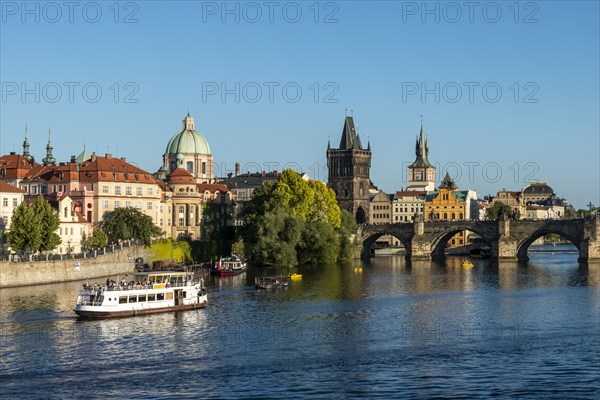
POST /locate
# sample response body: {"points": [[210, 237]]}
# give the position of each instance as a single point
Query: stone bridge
{"points": [[508, 239]]}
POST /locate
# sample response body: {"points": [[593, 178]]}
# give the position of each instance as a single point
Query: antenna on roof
{"points": [[352, 112], [346, 111]]}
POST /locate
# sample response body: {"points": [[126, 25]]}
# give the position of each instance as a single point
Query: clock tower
{"points": [[421, 174]]}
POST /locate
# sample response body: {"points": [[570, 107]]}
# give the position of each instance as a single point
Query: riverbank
{"points": [[13, 274]]}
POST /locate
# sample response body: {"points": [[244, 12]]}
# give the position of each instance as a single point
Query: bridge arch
{"points": [[439, 242], [369, 239], [523, 245]]}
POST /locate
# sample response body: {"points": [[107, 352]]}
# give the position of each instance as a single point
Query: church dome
{"points": [[188, 140]]}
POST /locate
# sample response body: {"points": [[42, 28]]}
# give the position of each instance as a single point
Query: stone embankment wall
{"points": [[41, 272]]}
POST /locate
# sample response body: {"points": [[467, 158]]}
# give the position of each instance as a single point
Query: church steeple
{"points": [[26, 146], [49, 159]]}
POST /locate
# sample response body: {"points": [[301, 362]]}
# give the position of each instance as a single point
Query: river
{"points": [[394, 330]]}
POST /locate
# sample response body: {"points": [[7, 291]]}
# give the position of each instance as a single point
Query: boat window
{"points": [[160, 296], [170, 296], [151, 297], [122, 299], [141, 297], [133, 299]]}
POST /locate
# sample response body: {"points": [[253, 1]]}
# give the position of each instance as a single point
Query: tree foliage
{"points": [[291, 221], [97, 240], [129, 223], [499, 210], [49, 223], [34, 227], [24, 229]]}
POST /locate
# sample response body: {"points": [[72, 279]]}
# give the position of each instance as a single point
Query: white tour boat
{"points": [[150, 292]]}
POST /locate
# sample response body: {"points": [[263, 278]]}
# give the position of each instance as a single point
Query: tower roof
{"points": [[350, 139], [188, 140], [83, 156], [448, 183], [422, 152]]}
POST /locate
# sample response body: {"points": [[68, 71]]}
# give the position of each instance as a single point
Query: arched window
{"points": [[203, 168], [190, 167], [66, 211], [445, 216], [453, 216], [460, 215]]}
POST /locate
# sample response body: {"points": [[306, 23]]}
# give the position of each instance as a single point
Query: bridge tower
{"points": [[349, 172]]}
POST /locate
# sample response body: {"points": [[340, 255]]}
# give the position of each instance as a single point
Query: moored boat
{"points": [[150, 292], [271, 282], [295, 277], [230, 266]]}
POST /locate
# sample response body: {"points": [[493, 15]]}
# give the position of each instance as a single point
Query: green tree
{"points": [[217, 233], [129, 223], [97, 240], [498, 211], [25, 229], [49, 223], [319, 244]]}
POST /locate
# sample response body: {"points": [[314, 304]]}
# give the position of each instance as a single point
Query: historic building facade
{"points": [[448, 203], [349, 172]]}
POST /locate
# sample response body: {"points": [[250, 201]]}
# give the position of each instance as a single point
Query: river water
{"points": [[394, 330]]}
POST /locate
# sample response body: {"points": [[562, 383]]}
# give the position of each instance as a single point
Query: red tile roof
{"points": [[8, 188], [180, 175], [212, 187]]}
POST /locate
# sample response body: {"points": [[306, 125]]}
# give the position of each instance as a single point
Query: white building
{"points": [[407, 204], [11, 197], [73, 228]]}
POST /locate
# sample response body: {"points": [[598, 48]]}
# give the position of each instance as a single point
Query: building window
{"points": [[161, 222], [173, 165], [128, 190], [15, 202], [44, 189], [117, 190], [181, 215], [105, 189], [66, 212], [105, 204], [149, 205], [453, 216], [203, 168], [139, 191], [127, 203], [149, 191], [138, 205], [5, 202], [190, 167], [445, 216], [117, 204]]}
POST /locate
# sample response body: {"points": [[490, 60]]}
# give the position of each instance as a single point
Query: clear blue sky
{"points": [[376, 57]]}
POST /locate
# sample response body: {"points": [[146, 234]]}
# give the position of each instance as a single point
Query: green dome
{"points": [[188, 142]]}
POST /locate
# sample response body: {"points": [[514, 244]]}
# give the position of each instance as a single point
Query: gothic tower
{"points": [[421, 174], [349, 167]]}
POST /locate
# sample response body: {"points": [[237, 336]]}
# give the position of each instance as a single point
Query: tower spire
{"points": [[26, 146], [49, 159]]}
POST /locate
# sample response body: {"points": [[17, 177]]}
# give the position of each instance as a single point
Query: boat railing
{"points": [[138, 286]]}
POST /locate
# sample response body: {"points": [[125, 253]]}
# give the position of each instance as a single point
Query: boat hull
{"points": [[230, 272], [93, 314]]}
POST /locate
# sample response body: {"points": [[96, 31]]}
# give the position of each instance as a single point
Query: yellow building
{"points": [[447, 204]]}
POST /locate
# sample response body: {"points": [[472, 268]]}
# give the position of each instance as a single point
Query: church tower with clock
{"points": [[421, 174]]}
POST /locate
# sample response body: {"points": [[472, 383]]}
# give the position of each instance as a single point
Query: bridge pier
{"points": [[589, 247]]}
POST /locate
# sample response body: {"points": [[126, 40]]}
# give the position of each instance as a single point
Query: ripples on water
{"points": [[420, 330]]}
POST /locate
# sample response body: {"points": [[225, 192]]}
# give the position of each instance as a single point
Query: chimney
{"points": [[237, 168], [123, 159], [73, 159], [275, 173], [108, 156], [13, 153], [93, 157]]}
